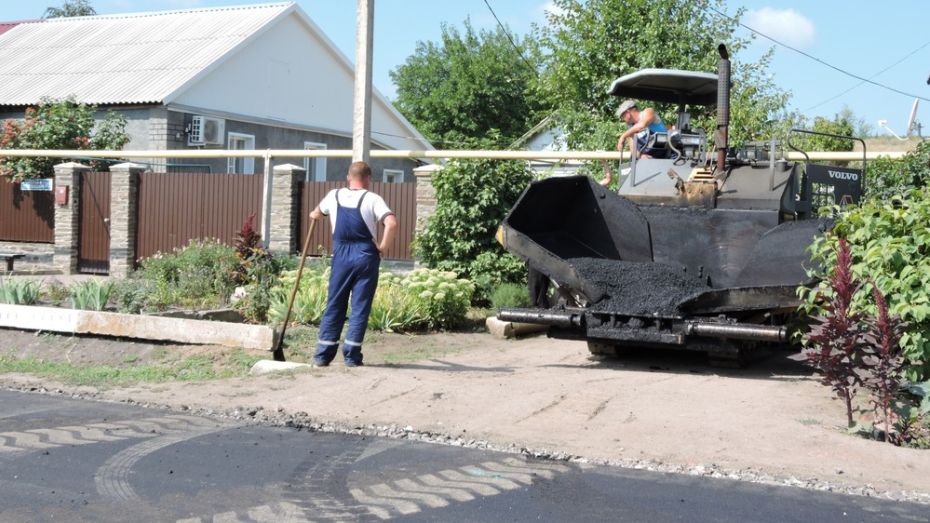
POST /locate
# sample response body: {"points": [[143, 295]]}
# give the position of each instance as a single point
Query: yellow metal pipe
{"points": [[382, 153]]}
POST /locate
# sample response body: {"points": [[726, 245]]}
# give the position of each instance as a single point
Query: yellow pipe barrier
{"points": [[410, 154]]}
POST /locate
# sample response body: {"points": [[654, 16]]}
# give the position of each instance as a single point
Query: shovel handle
{"points": [[279, 344]]}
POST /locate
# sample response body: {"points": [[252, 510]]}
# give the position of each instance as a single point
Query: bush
{"points": [[887, 178], [55, 291], [472, 198], [890, 243], [19, 292], [91, 294], [424, 299], [510, 295], [131, 296], [197, 275], [492, 269]]}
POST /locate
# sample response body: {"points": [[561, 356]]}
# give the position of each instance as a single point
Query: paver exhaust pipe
{"points": [[721, 138]]}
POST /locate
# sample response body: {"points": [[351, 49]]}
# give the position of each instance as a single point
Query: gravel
{"points": [[278, 417], [639, 288]]}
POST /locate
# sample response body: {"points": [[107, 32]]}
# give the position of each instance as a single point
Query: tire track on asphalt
{"points": [[112, 478], [406, 496]]}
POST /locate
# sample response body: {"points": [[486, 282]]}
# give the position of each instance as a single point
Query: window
{"points": [[241, 142], [315, 167], [393, 175]]}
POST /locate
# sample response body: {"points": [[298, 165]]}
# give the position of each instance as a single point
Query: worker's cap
{"points": [[624, 107]]}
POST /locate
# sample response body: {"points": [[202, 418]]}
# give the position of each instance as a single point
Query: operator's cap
{"points": [[625, 106]]}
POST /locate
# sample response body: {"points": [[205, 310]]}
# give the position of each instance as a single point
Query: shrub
{"points": [[91, 294], [493, 268], [510, 295], [131, 296], [19, 292], [424, 299], [55, 292], [889, 242], [199, 274], [472, 198], [887, 178]]}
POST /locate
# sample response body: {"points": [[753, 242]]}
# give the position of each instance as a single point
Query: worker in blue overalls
{"points": [[354, 215]]}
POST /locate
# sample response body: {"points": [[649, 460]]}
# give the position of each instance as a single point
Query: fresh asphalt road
{"points": [[63, 459]]}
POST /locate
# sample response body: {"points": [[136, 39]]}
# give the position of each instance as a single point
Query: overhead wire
{"points": [[816, 59]]}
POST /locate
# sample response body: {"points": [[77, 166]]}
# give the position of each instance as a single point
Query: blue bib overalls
{"points": [[354, 271]]}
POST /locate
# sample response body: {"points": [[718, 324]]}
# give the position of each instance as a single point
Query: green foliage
{"points": [[472, 197], [262, 275], [843, 123], [19, 292], [197, 275], [591, 43], [70, 8], [509, 295], [91, 294], [63, 124], [890, 243], [131, 295], [494, 268], [54, 291], [470, 85], [886, 178], [424, 299]]}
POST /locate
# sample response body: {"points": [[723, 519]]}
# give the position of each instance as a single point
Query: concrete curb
{"points": [[505, 330], [52, 319]]}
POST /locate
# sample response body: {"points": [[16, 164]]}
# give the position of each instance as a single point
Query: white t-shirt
{"points": [[373, 208]]}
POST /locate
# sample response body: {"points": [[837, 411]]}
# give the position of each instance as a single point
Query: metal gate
{"points": [[94, 233]]}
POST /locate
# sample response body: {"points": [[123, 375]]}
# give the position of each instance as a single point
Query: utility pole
{"points": [[361, 121]]}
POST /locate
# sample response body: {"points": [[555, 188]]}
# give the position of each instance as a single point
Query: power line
{"points": [[507, 33], [818, 60], [912, 53]]}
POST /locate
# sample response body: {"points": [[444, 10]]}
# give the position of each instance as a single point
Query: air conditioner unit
{"points": [[207, 131]]}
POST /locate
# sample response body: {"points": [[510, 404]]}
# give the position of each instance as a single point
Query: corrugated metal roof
{"points": [[122, 59], [6, 26]]}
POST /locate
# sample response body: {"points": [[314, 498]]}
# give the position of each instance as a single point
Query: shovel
{"points": [[278, 352]]}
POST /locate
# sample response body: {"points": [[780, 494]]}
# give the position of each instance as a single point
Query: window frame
{"points": [[248, 164], [399, 173], [319, 171]]}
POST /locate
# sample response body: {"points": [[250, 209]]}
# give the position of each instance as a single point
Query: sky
{"points": [[888, 43]]}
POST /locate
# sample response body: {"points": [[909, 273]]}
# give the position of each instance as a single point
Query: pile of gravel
{"points": [[638, 288]]}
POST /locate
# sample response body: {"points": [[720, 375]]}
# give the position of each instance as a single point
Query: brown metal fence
{"points": [[400, 197], [175, 208], [94, 238], [26, 216]]}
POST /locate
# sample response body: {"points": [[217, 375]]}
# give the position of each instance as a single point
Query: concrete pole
{"points": [[361, 123]]}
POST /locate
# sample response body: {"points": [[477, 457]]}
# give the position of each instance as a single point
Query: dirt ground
{"points": [[539, 393]]}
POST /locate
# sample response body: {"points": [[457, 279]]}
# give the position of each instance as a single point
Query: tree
{"points": [[63, 124], [70, 8], [591, 43], [470, 87]]}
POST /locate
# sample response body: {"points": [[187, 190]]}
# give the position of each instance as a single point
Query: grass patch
{"points": [[200, 367]]}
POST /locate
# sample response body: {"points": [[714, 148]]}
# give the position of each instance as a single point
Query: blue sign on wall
{"points": [[36, 184]]}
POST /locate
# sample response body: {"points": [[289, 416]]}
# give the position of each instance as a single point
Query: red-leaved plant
{"points": [[248, 248], [882, 362], [836, 339]]}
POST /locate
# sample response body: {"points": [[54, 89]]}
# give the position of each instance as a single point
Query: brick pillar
{"points": [[285, 208], [68, 217], [426, 194], [124, 214]]}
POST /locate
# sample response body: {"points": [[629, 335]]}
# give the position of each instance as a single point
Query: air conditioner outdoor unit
{"points": [[207, 131]]}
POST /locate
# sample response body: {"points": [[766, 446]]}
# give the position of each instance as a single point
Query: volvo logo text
{"points": [[841, 175]]}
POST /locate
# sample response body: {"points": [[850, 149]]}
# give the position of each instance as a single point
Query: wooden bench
{"points": [[10, 258]]}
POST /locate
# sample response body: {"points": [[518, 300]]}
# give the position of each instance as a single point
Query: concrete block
{"points": [[505, 330], [179, 330], [269, 366]]}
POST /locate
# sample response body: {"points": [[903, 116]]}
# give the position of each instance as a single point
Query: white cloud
{"points": [[550, 8], [785, 25]]}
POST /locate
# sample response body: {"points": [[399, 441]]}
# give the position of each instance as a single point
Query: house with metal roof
{"points": [[243, 77]]}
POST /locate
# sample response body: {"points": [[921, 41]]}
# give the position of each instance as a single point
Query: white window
{"points": [[393, 175], [315, 167], [241, 142]]}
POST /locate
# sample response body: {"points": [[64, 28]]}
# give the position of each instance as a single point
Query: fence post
{"points": [[426, 193], [285, 208], [124, 215], [68, 217]]}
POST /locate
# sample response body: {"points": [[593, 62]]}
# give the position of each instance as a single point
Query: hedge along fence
{"points": [[26, 216]]}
